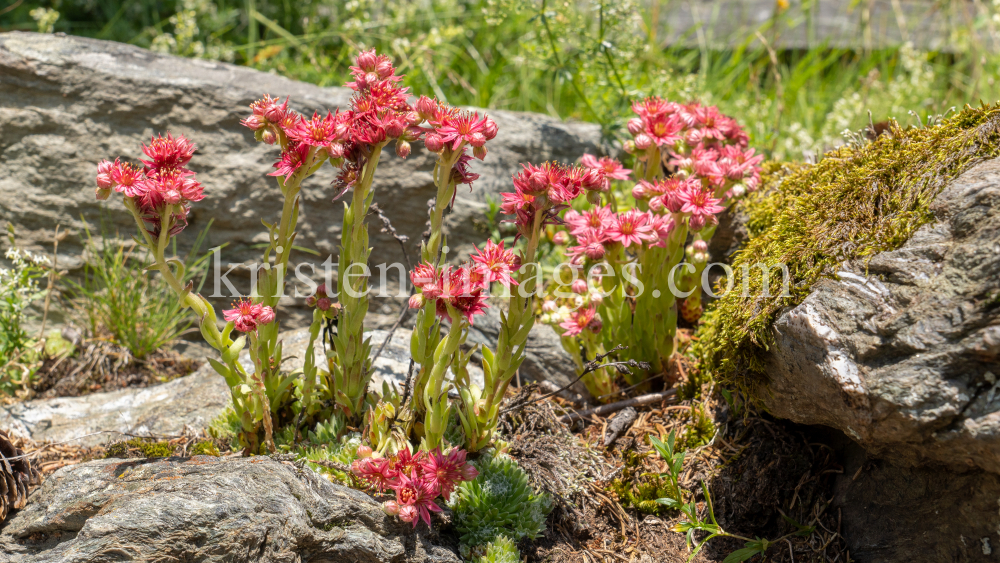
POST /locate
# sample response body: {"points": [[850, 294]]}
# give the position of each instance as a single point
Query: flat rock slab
{"points": [[191, 401], [206, 509]]}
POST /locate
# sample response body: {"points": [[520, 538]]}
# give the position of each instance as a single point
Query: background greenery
{"points": [[581, 59]]}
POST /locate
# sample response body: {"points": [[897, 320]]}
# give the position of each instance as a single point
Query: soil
{"points": [[99, 366], [757, 470]]}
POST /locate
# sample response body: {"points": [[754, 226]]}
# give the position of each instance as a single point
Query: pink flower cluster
{"points": [[247, 315], [379, 113], [417, 479], [548, 189], [161, 182], [698, 142], [599, 229], [321, 299], [466, 287]]}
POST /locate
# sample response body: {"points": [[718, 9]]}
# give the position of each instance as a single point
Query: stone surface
{"points": [[68, 102], [166, 409], [206, 509], [906, 360]]}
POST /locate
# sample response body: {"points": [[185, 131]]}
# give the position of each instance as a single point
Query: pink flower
{"points": [[168, 152], [377, 472], [613, 170], [578, 320], [653, 107], [445, 472], [247, 315], [291, 159], [579, 286], [631, 227], [266, 109], [104, 169], [497, 263], [461, 127], [699, 202], [461, 174], [315, 132], [663, 129], [170, 186], [415, 494]]}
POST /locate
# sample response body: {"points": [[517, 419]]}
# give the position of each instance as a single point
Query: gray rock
{"points": [[68, 102], [906, 360], [206, 509], [191, 401]]}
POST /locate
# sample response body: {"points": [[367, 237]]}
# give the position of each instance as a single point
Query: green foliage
{"points": [[119, 297], [327, 441], [139, 447], [18, 290], [858, 201], [206, 447], [638, 489], [500, 550], [580, 60], [500, 501]]}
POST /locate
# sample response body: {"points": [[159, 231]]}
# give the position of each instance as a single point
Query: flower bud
{"points": [[469, 472], [366, 60], [635, 126], [416, 301], [477, 139], [321, 290], [579, 286], [433, 142], [425, 107], [394, 128], [656, 204], [310, 301], [641, 190], [700, 246], [738, 190], [595, 325], [629, 147], [479, 152], [549, 306], [266, 316], [538, 182], [408, 513], [104, 180], [390, 507], [364, 451], [594, 251], [696, 223], [102, 193], [253, 122], [268, 136], [643, 141], [594, 198], [596, 298], [413, 118], [594, 180], [384, 69], [490, 128], [560, 238], [276, 113], [402, 149], [323, 303]]}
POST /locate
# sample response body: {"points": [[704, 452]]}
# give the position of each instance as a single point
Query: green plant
{"points": [[692, 520], [139, 447], [500, 501], [500, 550], [205, 447], [119, 298], [18, 290]]}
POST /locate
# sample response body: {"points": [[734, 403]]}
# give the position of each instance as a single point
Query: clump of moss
{"points": [[206, 447], [856, 202], [139, 447], [638, 489]]}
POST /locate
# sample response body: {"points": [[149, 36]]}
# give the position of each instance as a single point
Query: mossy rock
{"points": [[139, 448], [856, 202]]}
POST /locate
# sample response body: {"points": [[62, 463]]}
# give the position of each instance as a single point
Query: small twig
{"points": [[615, 407], [330, 464]]}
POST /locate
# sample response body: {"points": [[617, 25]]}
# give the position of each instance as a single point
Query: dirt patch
{"points": [[102, 366]]}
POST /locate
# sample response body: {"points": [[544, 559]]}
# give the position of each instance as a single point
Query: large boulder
{"points": [[902, 354], [68, 102], [206, 509]]}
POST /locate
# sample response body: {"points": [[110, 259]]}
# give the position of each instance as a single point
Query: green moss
{"points": [[139, 447], [205, 448], [855, 203], [637, 489]]}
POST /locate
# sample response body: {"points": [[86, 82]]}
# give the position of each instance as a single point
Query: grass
{"points": [[582, 60], [123, 303]]}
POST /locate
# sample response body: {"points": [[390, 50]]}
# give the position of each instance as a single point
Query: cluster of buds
{"points": [[417, 479], [449, 128], [464, 288], [321, 299], [246, 315], [161, 189], [548, 189]]}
